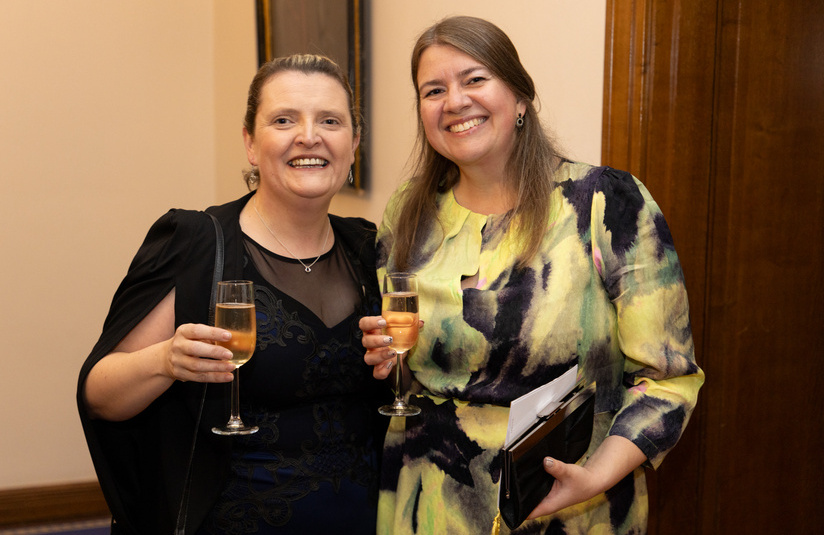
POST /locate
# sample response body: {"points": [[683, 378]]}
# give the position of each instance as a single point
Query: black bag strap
{"points": [[182, 512], [218, 272]]}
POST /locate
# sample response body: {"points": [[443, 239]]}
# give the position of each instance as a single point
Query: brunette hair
{"points": [[307, 64], [531, 164]]}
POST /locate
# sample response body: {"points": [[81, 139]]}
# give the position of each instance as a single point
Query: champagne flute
{"points": [[235, 312], [400, 310]]}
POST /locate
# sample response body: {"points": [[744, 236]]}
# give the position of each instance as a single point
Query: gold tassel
{"points": [[496, 524]]}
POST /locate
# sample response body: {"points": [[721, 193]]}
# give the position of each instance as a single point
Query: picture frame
{"points": [[333, 28]]}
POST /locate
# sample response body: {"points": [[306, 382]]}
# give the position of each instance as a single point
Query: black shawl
{"points": [[141, 463]]}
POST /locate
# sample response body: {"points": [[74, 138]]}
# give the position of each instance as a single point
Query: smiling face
{"points": [[468, 114], [303, 141]]}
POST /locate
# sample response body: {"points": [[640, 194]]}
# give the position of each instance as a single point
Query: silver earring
{"points": [[519, 122], [351, 178]]}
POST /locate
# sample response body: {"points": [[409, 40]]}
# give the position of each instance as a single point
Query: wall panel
{"points": [[717, 105]]}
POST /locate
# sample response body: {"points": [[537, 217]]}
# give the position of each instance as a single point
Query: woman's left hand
{"points": [[573, 484], [612, 461], [378, 353]]}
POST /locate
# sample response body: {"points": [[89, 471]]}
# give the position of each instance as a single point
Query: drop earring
{"points": [[519, 122], [351, 177]]}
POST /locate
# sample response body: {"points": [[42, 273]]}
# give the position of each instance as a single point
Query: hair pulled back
{"points": [[307, 64]]}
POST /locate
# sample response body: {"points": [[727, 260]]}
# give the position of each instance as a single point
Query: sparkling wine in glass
{"points": [[400, 310], [235, 312]]}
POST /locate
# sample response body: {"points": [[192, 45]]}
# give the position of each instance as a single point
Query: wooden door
{"points": [[718, 107]]}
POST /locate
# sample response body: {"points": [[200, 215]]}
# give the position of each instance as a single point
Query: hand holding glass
{"points": [[235, 312], [400, 310]]}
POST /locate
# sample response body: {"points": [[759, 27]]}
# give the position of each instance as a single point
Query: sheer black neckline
{"points": [[330, 291]]}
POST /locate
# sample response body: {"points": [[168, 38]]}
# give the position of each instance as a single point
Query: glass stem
{"points": [[399, 379], [235, 418]]}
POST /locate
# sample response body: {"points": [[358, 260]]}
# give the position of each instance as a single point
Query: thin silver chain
{"points": [[307, 269]]}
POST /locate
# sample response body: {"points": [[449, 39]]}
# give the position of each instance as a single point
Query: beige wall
{"points": [[109, 113], [112, 112]]}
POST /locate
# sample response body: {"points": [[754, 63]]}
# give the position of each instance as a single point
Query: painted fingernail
{"points": [[387, 339], [389, 365], [548, 462], [381, 323]]}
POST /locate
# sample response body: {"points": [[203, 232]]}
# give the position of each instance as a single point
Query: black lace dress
{"points": [[312, 467]]}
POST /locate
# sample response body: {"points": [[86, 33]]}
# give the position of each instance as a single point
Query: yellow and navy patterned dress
{"points": [[605, 291]]}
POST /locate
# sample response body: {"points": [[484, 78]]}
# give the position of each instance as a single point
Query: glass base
{"points": [[241, 429], [399, 408]]}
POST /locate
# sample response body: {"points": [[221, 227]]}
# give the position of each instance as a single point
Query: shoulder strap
{"points": [[180, 528], [218, 272]]}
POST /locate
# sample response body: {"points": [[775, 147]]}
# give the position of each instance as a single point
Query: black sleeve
{"points": [[128, 456]]}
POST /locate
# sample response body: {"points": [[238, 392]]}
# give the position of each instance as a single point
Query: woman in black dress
{"points": [[312, 466]]}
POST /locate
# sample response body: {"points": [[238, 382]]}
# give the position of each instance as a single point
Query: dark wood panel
{"points": [[657, 117], [677, 172], [55, 503], [767, 253], [717, 106], [624, 81]]}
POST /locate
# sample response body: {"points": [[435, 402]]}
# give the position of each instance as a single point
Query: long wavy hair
{"points": [[307, 64], [531, 164]]}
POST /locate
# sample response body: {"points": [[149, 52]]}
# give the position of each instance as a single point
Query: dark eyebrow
{"points": [[461, 74]]}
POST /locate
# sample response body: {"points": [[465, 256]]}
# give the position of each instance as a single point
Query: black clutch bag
{"points": [[564, 435]]}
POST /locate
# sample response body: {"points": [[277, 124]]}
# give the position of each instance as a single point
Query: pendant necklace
{"points": [[307, 269]]}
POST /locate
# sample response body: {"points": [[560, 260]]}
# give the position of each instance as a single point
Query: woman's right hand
{"points": [[378, 353], [193, 355], [150, 358]]}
